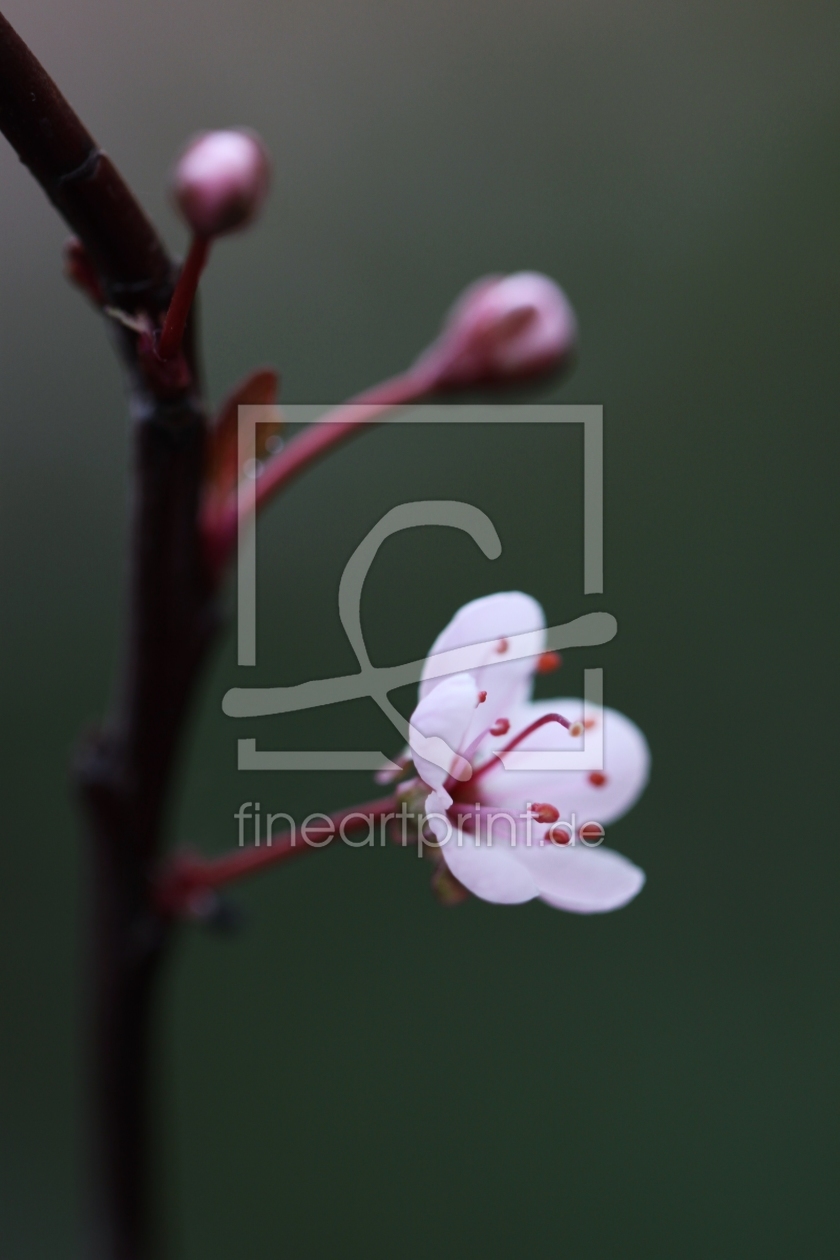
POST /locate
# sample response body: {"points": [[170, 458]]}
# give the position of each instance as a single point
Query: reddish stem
{"points": [[337, 427], [172, 333], [186, 874], [517, 740], [315, 441]]}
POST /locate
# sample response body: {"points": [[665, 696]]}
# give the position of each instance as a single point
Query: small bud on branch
{"points": [[504, 329], [219, 183], [221, 180], [501, 330]]}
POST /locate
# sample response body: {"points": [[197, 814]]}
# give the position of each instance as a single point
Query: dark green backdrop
{"points": [[361, 1073]]}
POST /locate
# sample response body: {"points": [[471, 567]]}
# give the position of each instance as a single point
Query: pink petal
{"points": [[626, 766], [493, 620], [491, 872], [438, 726], [586, 881]]}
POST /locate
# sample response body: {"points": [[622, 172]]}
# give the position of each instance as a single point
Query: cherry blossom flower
{"points": [[507, 835]]}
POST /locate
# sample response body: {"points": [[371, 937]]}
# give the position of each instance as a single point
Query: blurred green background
{"points": [[361, 1073]]}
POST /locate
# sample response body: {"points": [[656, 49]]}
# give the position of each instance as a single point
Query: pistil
{"points": [[517, 740]]}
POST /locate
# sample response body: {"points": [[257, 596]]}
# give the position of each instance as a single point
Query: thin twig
{"points": [[187, 875], [373, 407]]}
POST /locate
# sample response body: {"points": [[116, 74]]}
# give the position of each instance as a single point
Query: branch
{"points": [[80, 180], [125, 769]]}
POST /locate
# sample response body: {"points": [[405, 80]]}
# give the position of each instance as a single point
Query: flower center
{"points": [[466, 798]]}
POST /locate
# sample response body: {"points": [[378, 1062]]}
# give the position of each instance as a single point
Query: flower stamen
{"points": [[542, 812], [517, 740]]}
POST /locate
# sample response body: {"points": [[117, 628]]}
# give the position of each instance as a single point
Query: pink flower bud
{"points": [[221, 180], [505, 329]]}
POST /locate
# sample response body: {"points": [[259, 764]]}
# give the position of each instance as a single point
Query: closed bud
{"points": [[505, 329], [221, 180]]}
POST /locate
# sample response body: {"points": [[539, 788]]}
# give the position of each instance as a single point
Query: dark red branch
{"points": [[125, 770], [125, 776], [80, 180]]}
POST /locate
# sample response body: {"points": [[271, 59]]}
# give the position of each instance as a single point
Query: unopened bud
{"points": [[221, 180], [505, 329]]}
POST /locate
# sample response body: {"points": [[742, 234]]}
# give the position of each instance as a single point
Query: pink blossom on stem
{"points": [[504, 329], [219, 183], [488, 709]]}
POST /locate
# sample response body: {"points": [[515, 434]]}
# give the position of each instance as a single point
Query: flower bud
{"points": [[221, 180], [505, 329]]}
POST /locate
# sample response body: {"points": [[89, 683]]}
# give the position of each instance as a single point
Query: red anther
{"points": [[482, 696], [588, 723], [597, 779], [544, 813], [576, 729], [548, 662], [561, 834], [502, 646], [592, 833], [500, 727]]}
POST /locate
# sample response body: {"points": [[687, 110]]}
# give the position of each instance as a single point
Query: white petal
{"points": [[491, 872], [626, 766], [438, 726], [587, 881], [492, 620], [435, 807]]}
